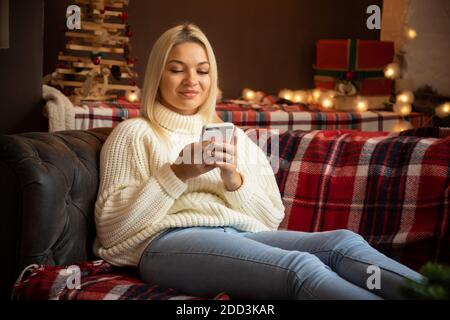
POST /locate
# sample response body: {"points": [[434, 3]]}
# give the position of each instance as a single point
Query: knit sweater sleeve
{"points": [[131, 197], [259, 195]]}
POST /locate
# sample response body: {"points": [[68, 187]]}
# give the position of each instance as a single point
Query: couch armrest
{"points": [[48, 190]]}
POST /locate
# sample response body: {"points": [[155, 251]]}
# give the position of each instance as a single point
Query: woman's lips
{"points": [[189, 94]]}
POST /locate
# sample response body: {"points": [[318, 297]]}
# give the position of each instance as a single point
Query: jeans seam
{"points": [[361, 261], [241, 259]]}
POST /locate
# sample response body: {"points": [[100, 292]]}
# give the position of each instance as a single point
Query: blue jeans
{"points": [[203, 261]]}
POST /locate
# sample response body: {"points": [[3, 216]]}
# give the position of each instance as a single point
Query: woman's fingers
{"points": [[223, 165], [222, 157], [223, 147], [214, 150]]}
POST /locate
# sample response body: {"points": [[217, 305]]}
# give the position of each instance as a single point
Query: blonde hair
{"points": [[182, 33]]}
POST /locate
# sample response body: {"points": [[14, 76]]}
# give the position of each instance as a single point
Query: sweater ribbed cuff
{"points": [[170, 182], [243, 194]]}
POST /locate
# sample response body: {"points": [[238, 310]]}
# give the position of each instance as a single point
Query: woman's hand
{"points": [[190, 162], [213, 154], [225, 155]]}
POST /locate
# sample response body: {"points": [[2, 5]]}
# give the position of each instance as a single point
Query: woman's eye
{"points": [[203, 72], [176, 71]]}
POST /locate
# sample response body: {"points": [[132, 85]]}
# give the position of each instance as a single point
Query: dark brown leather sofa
{"points": [[48, 188]]}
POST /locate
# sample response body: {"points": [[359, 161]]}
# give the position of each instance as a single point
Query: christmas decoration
{"points": [[362, 105], [402, 109], [327, 101], [116, 72], [436, 284], [98, 62], [286, 94], [353, 67], [443, 111], [410, 33], [405, 97], [133, 95], [248, 94], [392, 71], [301, 96], [402, 125], [428, 101], [315, 95]]}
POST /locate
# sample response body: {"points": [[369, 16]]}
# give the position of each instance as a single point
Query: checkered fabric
{"points": [[98, 281], [370, 121], [391, 188], [283, 117], [97, 114]]}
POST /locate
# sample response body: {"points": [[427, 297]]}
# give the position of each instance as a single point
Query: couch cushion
{"points": [[98, 281], [391, 188]]}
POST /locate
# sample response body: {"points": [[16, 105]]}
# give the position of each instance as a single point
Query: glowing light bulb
{"points": [[405, 97], [405, 110], [286, 94], [411, 33], [402, 109], [327, 102], [248, 94], [362, 105], [300, 96], [132, 95], [392, 71], [316, 94], [443, 110], [402, 125]]}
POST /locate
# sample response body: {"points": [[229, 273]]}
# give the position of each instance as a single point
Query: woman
{"points": [[208, 227]]}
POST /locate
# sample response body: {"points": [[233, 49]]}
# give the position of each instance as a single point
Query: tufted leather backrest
{"points": [[48, 188]]}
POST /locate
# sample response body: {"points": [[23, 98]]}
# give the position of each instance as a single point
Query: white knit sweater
{"points": [[140, 196]]}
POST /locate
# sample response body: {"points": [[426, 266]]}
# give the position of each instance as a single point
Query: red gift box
{"points": [[360, 61]]}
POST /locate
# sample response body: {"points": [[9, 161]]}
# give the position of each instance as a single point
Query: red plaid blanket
{"points": [[98, 281], [393, 189], [94, 114], [300, 117]]}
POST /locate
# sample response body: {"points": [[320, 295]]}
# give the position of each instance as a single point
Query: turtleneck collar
{"points": [[176, 122]]}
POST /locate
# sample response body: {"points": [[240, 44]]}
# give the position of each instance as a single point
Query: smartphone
{"points": [[221, 131]]}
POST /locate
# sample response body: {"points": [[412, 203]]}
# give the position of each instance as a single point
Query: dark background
{"points": [[21, 69], [262, 44]]}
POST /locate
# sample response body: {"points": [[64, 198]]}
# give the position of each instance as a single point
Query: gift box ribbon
{"points": [[351, 73]]}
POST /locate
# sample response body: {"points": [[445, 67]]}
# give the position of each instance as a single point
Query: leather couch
{"points": [[48, 189], [49, 183]]}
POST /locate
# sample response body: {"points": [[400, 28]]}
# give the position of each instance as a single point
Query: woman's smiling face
{"points": [[185, 81]]}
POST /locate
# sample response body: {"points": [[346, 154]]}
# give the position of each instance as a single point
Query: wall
{"points": [[21, 69], [262, 44], [392, 28], [428, 55]]}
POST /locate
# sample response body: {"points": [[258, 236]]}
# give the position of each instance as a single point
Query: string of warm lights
{"points": [[405, 99], [326, 98]]}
